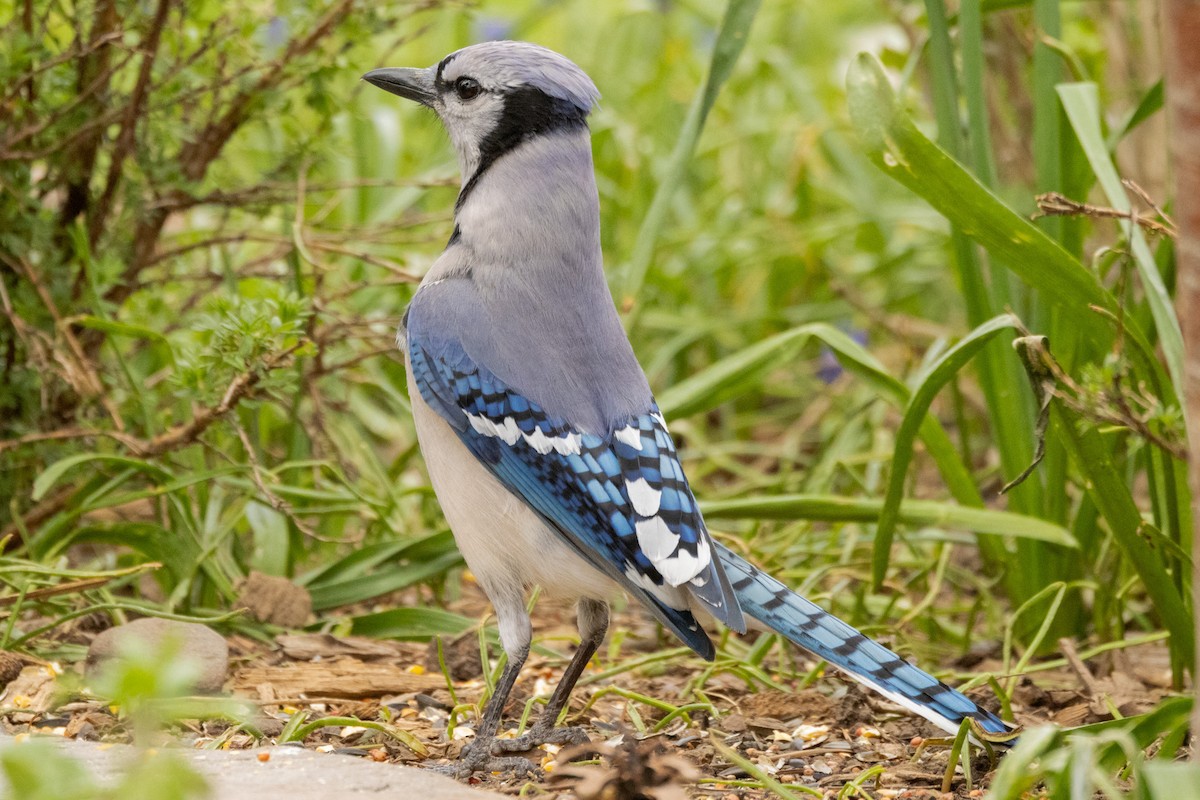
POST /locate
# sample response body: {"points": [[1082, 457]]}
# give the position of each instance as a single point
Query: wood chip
{"points": [[343, 677]]}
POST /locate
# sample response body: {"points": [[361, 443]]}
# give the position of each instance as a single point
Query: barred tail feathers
{"points": [[812, 628]]}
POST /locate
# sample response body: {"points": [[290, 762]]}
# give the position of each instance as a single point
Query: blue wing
{"points": [[620, 498]]}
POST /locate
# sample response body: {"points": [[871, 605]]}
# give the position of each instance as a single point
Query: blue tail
{"points": [[824, 635]]}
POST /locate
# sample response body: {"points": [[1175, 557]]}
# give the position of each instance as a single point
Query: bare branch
{"points": [[1053, 204]]}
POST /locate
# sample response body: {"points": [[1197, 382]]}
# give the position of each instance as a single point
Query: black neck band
{"points": [[528, 112]]}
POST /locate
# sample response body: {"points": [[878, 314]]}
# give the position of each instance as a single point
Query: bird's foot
{"points": [[478, 757], [539, 735]]}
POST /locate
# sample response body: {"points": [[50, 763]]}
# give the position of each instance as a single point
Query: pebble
{"points": [[10, 667], [428, 701], [199, 643]]}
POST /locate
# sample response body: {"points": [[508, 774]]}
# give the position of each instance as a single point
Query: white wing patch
{"points": [[658, 542], [644, 497], [682, 566], [506, 430], [629, 435], [510, 434]]}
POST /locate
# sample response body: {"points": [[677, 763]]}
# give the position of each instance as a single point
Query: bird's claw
{"points": [[478, 757], [539, 735]]}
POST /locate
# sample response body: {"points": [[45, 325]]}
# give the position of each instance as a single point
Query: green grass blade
{"points": [[364, 559], [271, 534], [51, 474], [950, 464], [945, 77], [979, 131], [1180, 781], [1082, 103], [358, 589], [735, 28], [923, 513], [1109, 491], [730, 376], [1047, 72], [411, 623], [123, 329], [1150, 104], [907, 155], [939, 373], [1014, 777]]}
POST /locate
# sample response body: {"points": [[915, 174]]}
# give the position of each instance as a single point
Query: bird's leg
{"points": [[515, 635], [477, 756], [593, 624]]}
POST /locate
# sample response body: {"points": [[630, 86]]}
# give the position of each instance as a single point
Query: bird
{"points": [[549, 456]]}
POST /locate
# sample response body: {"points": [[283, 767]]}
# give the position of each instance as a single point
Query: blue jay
{"points": [[550, 458]]}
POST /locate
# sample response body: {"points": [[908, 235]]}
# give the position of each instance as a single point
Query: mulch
{"points": [[821, 736]]}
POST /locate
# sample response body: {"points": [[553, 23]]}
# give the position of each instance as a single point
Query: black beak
{"points": [[411, 84]]}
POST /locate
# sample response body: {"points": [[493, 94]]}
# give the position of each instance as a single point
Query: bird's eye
{"points": [[467, 88]]}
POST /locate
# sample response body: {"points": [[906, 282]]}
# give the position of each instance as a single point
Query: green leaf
{"points": [[927, 513], [1014, 776], [411, 623], [121, 329], [55, 471], [37, 770], [730, 376], [1176, 780], [1106, 485], [176, 553], [936, 376], [360, 562], [1150, 104], [899, 149], [271, 539], [358, 589]]}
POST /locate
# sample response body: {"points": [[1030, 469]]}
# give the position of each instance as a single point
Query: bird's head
{"points": [[493, 96]]}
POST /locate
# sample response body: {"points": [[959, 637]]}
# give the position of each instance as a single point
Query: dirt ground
{"points": [[822, 736]]}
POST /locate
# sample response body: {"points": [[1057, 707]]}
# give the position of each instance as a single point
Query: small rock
{"points": [[10, 667], [275, 600], [199, 643], [32, 691], [269, 726]]}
